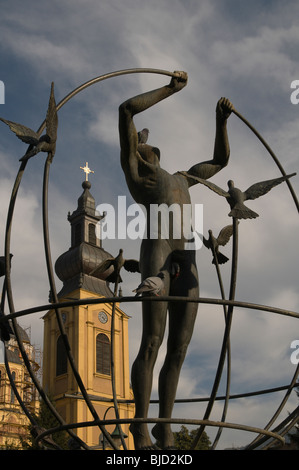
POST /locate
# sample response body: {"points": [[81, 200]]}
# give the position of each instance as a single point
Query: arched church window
{"points": [[61, 357], [103, 354]]}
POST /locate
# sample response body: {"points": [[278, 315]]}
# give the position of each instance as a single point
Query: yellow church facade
{"points": [[88, 329]]}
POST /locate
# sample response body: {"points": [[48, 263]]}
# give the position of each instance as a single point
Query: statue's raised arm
{"points": [[127, 110], [209, 168]]}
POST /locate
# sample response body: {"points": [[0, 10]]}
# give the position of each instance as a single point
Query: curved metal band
{"points": [[230, 303], [105, 77], [276, 160]]}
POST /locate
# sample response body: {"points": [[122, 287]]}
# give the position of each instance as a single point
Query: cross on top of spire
{"points": [[86, 170]]}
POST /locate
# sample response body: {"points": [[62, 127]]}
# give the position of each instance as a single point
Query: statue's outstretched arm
{"points": [[209, 168], [138, 104], [221, 148], [141, 102]]}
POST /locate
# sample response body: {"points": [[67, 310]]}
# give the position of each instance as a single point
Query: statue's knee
{"points": [[177, 356], [151, 347]]}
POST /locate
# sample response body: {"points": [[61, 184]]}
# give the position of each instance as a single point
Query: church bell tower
{"points": [[89, 332]]}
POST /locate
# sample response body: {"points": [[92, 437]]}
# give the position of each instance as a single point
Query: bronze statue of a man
{"points": [[150, 184]]}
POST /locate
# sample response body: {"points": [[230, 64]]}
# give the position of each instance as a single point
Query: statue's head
{"points": [[149, 154]]}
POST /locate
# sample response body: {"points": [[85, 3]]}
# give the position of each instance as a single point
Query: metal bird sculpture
{"points": [[117, 263], [151, 285], [213, 243], [143, 136], [45, 143], [235, 197]]}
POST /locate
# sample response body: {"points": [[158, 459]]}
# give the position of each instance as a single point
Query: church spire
{"points": [[85, 218], [86, 252]]}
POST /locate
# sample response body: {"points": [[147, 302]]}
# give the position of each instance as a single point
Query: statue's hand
{"points": [[179, 81], [224, 108]]}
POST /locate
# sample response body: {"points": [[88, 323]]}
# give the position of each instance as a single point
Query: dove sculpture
{"points": [[222, 239], [45, 143], [235, 197], [143, 136], [151, 285], [117, 263]]}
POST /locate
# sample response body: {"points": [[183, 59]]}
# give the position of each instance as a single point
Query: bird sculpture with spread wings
{"points": [[213, 243], [117, 264], [235, 197], [45, 143]]}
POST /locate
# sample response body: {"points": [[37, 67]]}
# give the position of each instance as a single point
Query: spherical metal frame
{"points": [[265, 438]]}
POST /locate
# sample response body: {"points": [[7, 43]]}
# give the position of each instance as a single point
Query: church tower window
{"points": [[103, 354], [61, 357]]}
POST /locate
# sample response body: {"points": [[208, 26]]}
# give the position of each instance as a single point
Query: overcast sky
{"points": [[245, 51]]}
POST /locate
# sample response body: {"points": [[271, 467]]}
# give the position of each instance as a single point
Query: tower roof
{"points": [[86, 204], [86, 253]]}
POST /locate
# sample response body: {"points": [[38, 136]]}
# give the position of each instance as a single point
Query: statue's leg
{"points": [[154, 320], [181, 324]]}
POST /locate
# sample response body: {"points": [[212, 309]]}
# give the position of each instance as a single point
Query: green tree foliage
{"points": [[184, 438]]}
